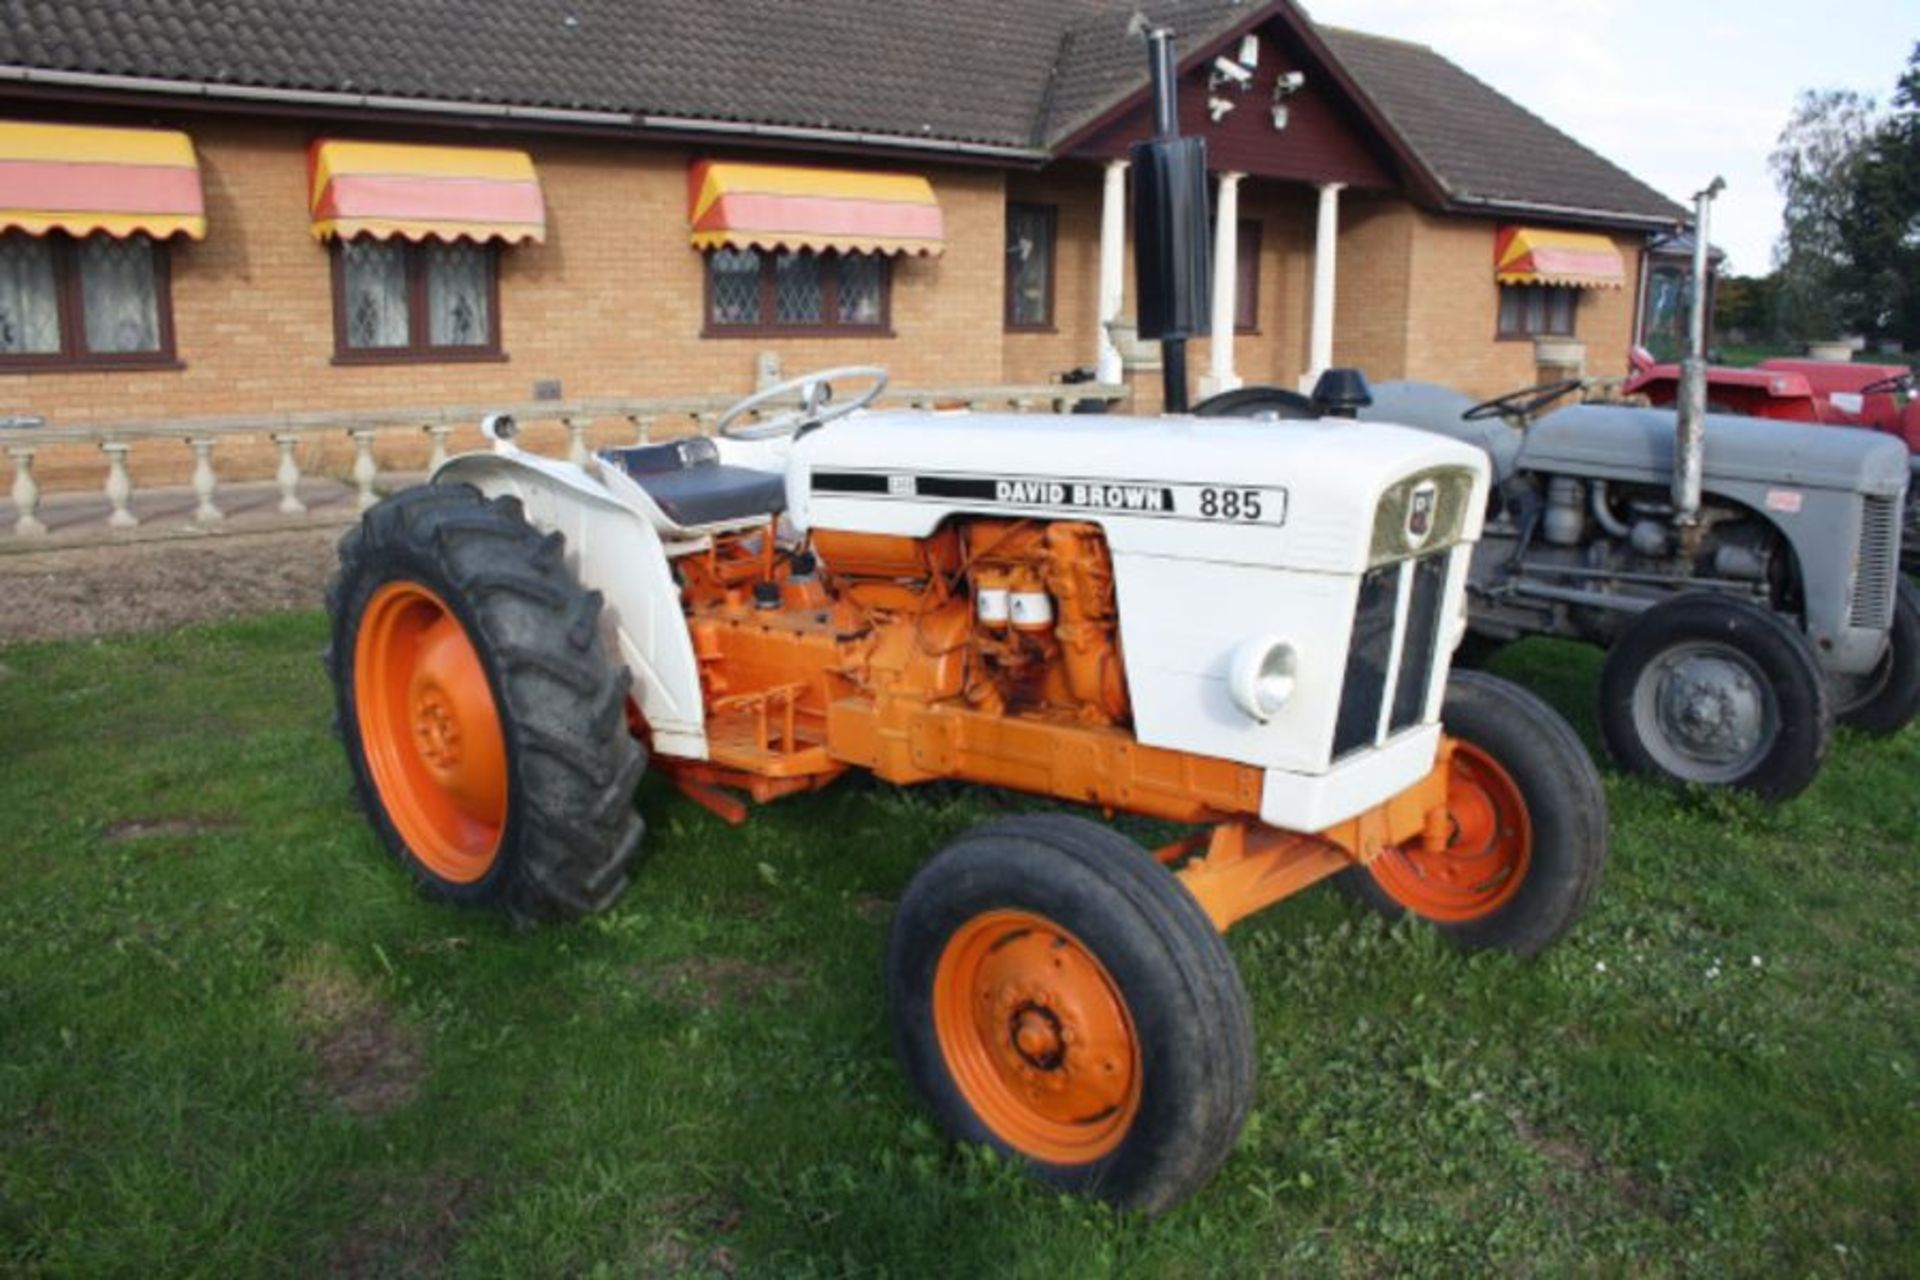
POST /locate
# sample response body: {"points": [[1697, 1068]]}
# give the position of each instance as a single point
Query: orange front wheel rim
{"points": [[1037, 1037], [430, 731], [1487, 853]]}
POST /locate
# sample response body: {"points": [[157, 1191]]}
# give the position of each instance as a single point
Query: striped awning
{"points": [[387, 189], [81, 179], [1534, 255], [771, 206]]}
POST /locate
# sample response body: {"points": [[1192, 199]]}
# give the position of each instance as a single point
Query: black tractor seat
{"points": [[694, 489]]}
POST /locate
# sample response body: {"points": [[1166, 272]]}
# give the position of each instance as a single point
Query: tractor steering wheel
{"points": [[1882, 386], [1523, 403], [816, 390]]}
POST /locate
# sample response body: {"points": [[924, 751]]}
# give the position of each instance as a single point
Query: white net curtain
{"points": [[379, 294], [29, 303], [119, 295]]}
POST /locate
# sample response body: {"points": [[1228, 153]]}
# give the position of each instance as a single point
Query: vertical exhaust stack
{"points": [[1170, 227], [1690, 441]]}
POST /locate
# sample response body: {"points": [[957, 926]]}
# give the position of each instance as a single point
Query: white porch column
{"points": [[1226, 263], [1326, 240], [1113, 268]]}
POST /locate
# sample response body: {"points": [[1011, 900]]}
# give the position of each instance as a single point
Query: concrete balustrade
{"points": [[582, 428]]}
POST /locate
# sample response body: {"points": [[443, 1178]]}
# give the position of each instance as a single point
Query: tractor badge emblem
{"points": [[1420, 507]]}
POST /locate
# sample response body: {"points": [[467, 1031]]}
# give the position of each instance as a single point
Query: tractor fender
{"points": [[612, 549]]}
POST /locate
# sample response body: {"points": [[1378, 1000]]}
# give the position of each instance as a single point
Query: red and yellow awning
{"points": [[1534, 255], [771, 206], [386, 189], [81, 179]]}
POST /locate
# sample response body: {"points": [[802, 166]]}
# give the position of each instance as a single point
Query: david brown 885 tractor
{"points": [[1243, 630]]}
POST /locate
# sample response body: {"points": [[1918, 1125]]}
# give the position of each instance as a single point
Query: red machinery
{"points": [[1877, 397]]}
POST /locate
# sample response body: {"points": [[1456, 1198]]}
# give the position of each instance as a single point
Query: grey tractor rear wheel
{"points": [[1058, 995], [1717, 691], [1886, 701], [483, 720]]}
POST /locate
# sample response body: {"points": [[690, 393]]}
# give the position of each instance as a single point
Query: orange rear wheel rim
{"points": [[1037, 1037], [430, 731], [1486, 857]]}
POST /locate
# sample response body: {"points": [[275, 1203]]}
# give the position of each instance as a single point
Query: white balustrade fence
{"points": [[582, 424]]}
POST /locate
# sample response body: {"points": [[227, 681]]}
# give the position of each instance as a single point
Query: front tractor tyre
{"points": [[1527, 819], [1886, 700], [1058, 995], [484, 723], [1718, 691]]}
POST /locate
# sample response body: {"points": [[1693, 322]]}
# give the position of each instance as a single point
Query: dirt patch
{"points": [[873, 908], [409, 1230], [151, 828], [365, 1061], [714, 983], [1576, 1157], [78, 592]]}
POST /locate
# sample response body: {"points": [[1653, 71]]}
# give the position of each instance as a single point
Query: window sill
{"points": [[1042, 329], [790, 331], [1535, 337], [360, 359], [158, 364]]}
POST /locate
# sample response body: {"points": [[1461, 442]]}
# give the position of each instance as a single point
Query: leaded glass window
{"points": [[788, 291], [396, 300], [1537, 310], [98, 301], [29, 297], [119, 295], [1030, 229], [736, 286], [458, 285], [797, 291]]}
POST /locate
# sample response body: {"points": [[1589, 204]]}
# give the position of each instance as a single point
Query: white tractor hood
{"points": [[1294, 494]]}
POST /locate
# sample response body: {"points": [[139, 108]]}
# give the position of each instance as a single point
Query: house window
{"points": [[1030, 232], [1246, 278], [1537, 310], [750, 291], [97, 302], [394, 301]]}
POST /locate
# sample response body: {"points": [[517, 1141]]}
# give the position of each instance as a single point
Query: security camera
{"points": [[1289, 83], [1250, 50], [1217, 108], [1227, 71]]}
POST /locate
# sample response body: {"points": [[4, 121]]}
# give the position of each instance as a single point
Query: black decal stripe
{"points": [[848, 482], [956, 487]]}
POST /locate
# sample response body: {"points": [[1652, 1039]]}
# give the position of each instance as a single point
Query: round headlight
{"points": [[1263, 675]]}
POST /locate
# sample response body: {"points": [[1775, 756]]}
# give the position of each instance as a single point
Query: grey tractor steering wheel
{"points": [[1898, 382], [816, 390], [1523, 403]]}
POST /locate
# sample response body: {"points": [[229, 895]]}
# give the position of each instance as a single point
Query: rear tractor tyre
{"points": [[1887, 700], [1529, 828], [1059, 996], [1717, 691], [485, 725]]}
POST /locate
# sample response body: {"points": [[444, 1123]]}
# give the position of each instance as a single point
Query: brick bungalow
{"points": [[256, 206]]}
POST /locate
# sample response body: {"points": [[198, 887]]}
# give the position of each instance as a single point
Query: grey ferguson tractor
{"points": [[1741, 613]]}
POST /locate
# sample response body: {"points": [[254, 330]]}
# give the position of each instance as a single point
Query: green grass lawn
{"points": [[233, 1040]]}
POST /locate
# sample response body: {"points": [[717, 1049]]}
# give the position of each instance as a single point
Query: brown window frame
{"points": [[70, 299], [418, 350], [830, 324], [1051, 213], [1246, 301], [1524, 334]]}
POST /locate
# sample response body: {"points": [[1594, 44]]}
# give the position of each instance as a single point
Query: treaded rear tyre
{"points": [[986, 947], [1520, 883], [1733, 638], [567, 829], [1888, 702]]}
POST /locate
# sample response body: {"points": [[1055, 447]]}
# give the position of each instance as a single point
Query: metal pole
{"points": [[1690, 439]]}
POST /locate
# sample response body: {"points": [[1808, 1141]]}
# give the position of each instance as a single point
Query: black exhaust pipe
{"points": [[1170, 227]]}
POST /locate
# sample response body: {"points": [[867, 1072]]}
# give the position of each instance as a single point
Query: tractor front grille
{"points": [[1386, 688], [1879, 563]]}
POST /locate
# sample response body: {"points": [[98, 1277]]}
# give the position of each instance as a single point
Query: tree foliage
{"points": [[1814, 165], [1879, 222]]}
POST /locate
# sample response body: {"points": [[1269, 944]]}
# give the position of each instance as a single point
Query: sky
{"points": [[1673, 92]]}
